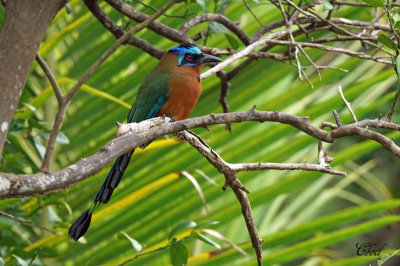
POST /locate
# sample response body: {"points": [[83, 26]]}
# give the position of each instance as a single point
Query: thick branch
{"points": [[12, 185], [230, 180]]}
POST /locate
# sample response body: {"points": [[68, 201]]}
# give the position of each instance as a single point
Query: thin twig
{"points": [[52, 79], [12, 217], [26, 222], [223, 98], [311, 61], [337, 118], [324, 67], [347, 104], [51, 143], [321, 155], [284, 166], [252, 13], [360, 4], [296, 56], [394, 106]]}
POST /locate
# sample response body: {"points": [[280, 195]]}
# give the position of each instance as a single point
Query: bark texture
{"points": [[24, 26]]}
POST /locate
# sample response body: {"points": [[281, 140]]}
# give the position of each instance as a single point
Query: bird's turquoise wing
{"points": [[151, 96]]}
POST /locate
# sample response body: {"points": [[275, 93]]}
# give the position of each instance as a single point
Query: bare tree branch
{"points": [[12, 217], [230, 180], [223, 98], [52, 79], [346, 3], [12, 185], [394, 106], [347, 104], [284, 166]]}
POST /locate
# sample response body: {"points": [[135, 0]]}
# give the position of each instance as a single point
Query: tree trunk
{"points": [[24, 25]]}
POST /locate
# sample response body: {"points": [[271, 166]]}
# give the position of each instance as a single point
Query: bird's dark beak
{"points": [[206, 58]]}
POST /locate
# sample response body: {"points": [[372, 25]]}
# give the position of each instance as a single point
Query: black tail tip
{"points": [[81, 225]]}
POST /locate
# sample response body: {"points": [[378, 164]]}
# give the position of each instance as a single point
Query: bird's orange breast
{"points": [[184, 91]]}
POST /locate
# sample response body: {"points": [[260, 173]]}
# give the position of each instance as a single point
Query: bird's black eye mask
{"points": [[189, 59]]}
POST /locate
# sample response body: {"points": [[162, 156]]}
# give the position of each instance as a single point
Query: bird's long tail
{"points": [[81, 225], [113, 178]]}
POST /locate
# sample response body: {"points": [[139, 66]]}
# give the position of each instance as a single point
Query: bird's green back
{"points": [[151, 96]]}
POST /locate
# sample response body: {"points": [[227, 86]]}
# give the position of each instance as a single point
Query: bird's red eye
{"points": [[189, 57]]}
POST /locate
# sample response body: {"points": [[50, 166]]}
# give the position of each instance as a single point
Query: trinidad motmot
{"points": [[172, 89]]}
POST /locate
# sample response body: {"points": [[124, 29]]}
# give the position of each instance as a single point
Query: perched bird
{"points": [[172, 88]]}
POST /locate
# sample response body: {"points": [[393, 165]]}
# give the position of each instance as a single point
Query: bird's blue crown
{"points": [[186, 49]]}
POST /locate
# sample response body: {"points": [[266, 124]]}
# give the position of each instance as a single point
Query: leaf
{"points": [[206, 177], [33, 123], [105, 95], [396, 21], [31, 107], [39, 147], [232, 41], [206, 224], [220, 4], [384, 258], [1, 261], [66, 205], [135, 244], [202, 4], [21, 261], [385, 40], [198, 188], [180, 227], [53, 217], [61, 137], [221, 237], [327, 5], [375, 3], [217, 27], [206, 240], [178, 253]]}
